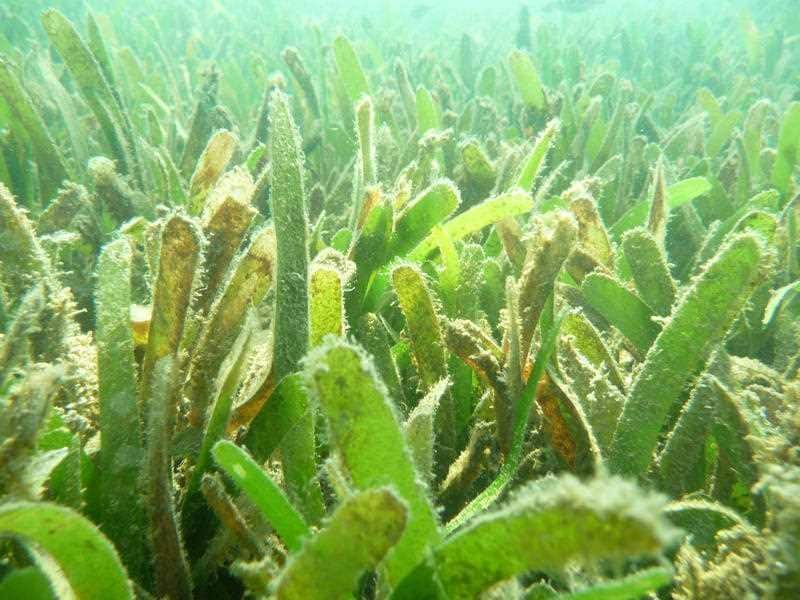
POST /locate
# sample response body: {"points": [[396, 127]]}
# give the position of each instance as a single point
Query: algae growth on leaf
{"points": [[450, 300]]}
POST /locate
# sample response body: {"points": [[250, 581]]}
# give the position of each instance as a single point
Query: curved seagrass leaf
{"points": [[551, 245], [764, 201], [93, 85], [291, 56], [369, 252], [588, 341], [291, 232], [420, 429], [721, 132], [179, 257], [29, 583], [650, 270], [354, 539], [788, 148], [422, 214], [227, 215], [424, 329], [521, 418], [212, 163], [657, 219], [171, 566], [366, 432], [229, 378], [479, 172], [739, 429], [263, 492], [406, 92], [592, 235], [365, 127], [52, 171], [527, 79], [677, 194], [250, 279], [121, 453], [702, 520], [682, 462], [778, 299], [427, 114], [372, 334], [24, 406], [629, 588], [532, 164], [422, 322], [355, 82], [600, 401], [326, 303], [622, 308], [486, 213], [97, 45], [291, 329], [450, 270], [203, 122], [95, 571], [287, 405], [699, 321], [604, 152], [548, 525]]}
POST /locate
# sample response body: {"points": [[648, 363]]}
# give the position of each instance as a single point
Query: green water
{"points": [[429, 300]]}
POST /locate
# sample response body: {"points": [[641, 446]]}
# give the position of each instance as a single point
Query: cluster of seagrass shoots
{"points": [[341, 319]]}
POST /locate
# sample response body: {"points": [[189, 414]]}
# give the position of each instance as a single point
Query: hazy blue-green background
{"points": [[492, 22], [248, 35], [423, 16]]}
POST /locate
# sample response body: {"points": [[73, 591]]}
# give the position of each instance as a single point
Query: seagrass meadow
{"points": [[336, 300]]}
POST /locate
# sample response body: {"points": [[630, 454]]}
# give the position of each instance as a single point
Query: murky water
{"points": [[456, 299]]}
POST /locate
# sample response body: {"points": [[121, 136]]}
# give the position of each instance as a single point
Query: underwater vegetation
{"points": [[368, 308]]}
